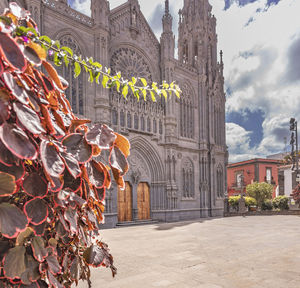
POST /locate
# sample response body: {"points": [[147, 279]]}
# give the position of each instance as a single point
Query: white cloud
{"points": [[238, 142], [255, 60], [84, 6]]}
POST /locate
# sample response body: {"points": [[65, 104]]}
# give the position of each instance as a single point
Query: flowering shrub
{"points": [[52, 184], [281, 202]]}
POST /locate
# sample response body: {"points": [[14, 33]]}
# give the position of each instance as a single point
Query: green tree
{"points": [[260, 191]]}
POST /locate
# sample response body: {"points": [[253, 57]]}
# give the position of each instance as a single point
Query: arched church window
{"points": [[114, 117], [143, 123], [122, 118], [128, 120], [136, 121], [188, 179], [186, 113], [160, 128], [75, 91], [148, 124], [154, 126]]}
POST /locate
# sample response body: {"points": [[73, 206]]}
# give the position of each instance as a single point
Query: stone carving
{"points": [[130, 63], [138, 167]]}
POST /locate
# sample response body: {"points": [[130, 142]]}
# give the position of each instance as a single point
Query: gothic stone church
{"points": [[178, 156]]}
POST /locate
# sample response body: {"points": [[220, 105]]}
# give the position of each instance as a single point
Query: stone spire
{"points": [[167, 19], [167, 39]]}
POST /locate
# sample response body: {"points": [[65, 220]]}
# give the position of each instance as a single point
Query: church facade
{"points": [[178, 147]]}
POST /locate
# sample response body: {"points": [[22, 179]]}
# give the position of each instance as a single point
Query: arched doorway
{"points": [[125, 203], [143, 201]]}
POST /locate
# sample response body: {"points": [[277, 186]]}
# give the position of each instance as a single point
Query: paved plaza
{"points": [[236, 252]]}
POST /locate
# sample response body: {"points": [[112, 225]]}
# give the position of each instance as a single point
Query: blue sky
{"points": [[261, 44]]}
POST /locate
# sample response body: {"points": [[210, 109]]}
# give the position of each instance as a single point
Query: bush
{"points": [[250, 201], [234, 201], [260, 191], [281, 202], [267, 205]]}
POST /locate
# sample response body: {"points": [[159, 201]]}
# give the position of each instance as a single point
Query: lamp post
{"points": [[294, 150], [242, 204]]}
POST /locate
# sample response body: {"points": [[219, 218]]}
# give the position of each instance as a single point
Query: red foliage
{"points": [[296, 194], [52, 184]]}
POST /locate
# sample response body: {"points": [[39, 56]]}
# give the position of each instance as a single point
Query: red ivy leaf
{"points": [[36, 211], [16, 140], [12, 220], [34, 185]]}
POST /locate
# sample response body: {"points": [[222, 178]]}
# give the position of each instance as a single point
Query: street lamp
{"points": [[294, 144]]}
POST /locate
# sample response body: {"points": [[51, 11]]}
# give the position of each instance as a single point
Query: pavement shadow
{"points": [[171, 225]]}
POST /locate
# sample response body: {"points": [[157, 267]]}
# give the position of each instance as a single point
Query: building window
{"points": [[269, 175], [114, 117], [239, 179], [75, 92], [154, 126], [136, 122], [128, 120], [188, 179], [143, 123], [148, 124], [186, 113], [160, 128], [122, 118], [185, 54]]}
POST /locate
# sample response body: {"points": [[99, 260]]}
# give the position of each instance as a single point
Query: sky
{"points": [[261, 44]]}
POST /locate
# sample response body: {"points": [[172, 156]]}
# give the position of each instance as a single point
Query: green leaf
{"points": [[125, 91], [97, 78], [66, 60], [177, 93], [119, 75], [144, 92], [118, 85], [46, 39], [152, 96], [164, 93], [7, 21], [104, 81], [68, 50], [97, 65], [85, 66], [57, 59], [144, 81], [77, 69], [32, 30], [133, 79], [165, 85], [137, 95], [91, 78]]}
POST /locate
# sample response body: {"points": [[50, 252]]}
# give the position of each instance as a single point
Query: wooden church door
{"points": [[125, 203], [143, 201]]}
